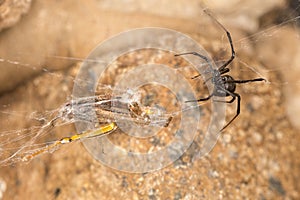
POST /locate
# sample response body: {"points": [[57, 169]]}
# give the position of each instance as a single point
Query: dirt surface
{"points": [[254, 158], [11, 12]]}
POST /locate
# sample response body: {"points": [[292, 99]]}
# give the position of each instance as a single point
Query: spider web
{"points": [[268, 40], [268, 55]]}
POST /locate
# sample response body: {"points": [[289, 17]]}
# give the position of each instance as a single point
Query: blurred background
{"points": [[43, 42]]}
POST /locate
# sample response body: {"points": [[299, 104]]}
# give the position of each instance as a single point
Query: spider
{"points": [[224, 84]]}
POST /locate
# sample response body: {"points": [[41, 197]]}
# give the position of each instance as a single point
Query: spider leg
{"points": [[251, 80], [194, 77], [234, 96], [202, 99], [221, 69], [199, 55], [230, 101]]}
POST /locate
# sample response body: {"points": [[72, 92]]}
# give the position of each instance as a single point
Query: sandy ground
{"points": [[254, 158]]}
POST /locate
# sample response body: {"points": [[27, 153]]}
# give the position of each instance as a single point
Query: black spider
{"points": [[224, 85]]}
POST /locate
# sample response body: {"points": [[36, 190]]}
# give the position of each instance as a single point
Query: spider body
{"points": [[224, 85]]}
